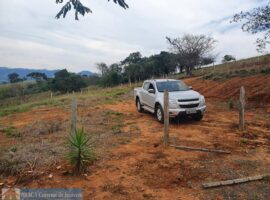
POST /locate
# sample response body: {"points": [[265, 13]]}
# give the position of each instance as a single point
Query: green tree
{"points": [[14, 78], [256, 21], [66, 82], [79, 8], [103, 68], [113, 76], [133, 58], [37, 76], [228, 58]]}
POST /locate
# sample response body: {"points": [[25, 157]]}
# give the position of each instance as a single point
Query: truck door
{"points": [[150, 97], [144, 93]]}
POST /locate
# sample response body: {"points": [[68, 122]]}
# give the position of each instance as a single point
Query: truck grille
{"points": [[187, 100], [189, 106]]}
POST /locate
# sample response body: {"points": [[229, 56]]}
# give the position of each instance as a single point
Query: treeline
{"points": [[186, 54], [135, 68], [62, 82]]}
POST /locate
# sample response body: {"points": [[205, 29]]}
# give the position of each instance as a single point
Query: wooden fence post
{"points": [[51, 95], [166, 118], [73, 116], [242, 109]]}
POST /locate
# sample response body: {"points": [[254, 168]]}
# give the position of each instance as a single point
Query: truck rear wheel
{"points": [[159, 114], [139, 105]]}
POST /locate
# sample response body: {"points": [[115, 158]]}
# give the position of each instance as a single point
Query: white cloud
{"points": [[31, 37]]}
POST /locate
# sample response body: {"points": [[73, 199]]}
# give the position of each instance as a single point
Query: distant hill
{"points": [[86, 73], [5, 71]]}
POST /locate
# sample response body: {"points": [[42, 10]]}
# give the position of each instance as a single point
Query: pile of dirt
{"points": [[257, 89]]}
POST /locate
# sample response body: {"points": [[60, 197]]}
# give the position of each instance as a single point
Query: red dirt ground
{"points": [[144, 169]]}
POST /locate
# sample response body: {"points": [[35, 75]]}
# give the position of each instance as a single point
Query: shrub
{"points": [[80, 153], [265, 71]]}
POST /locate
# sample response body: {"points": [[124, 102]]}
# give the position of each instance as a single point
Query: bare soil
{"points": [[133, 164]]}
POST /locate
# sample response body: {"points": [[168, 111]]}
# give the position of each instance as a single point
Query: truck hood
{"points": [[189, 94]]}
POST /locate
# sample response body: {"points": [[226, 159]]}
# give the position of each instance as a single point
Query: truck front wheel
{"points": [[139, 105], [159, 114], [197, 117]]}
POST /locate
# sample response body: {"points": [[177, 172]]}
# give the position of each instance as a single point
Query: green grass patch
{"points": [[102, 95], [11, 132], [117, 121], [13, 109]]}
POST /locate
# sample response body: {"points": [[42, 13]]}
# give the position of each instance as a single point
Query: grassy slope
{"points": [[16, 105], [245, 67]]}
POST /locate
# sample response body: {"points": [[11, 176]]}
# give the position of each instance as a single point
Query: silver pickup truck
{"points": [[183, 101]]}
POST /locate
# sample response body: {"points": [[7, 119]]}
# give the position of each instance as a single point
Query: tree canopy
{"points": [[192, 50], [228, 58], [136, 68], [14, 78], [37, 76], [79, 8], [255, 21], [66, 82]]}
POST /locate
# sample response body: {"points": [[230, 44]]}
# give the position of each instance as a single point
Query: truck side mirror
{"points": [[152, 91]]}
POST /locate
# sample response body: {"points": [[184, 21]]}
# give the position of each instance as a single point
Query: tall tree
{"points": [[80, 8], [14, 78], [131, 66], [103, 68], [255, 21], [192, 50]]}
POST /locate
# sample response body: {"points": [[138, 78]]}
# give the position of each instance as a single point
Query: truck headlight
{"points": [[173, 103], [202, 100]]}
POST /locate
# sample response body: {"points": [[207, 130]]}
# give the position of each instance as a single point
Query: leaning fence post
{"points": [[73, 117], [166, 118], [242, 109]]}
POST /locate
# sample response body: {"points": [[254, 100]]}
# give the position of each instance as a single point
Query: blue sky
{"points": [[31, 37]]}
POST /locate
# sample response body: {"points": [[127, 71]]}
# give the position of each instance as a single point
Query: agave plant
{"points": [[80, 153]]}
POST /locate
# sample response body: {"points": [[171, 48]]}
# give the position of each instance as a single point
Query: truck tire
{"points": [[139, 105], [159, 114], [197, 117]]}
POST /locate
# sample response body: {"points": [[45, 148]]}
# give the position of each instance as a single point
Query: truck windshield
{"points": [[172, 86]]}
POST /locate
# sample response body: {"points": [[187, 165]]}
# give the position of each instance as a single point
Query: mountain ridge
{"points": [[5, 71]]}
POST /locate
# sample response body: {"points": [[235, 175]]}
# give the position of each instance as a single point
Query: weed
{"points": [[116, 129], [11, 132], [267, 178], [13, 149], [114, 188], [256, 197], [29, 157], [243, 141], [43, 128]]}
